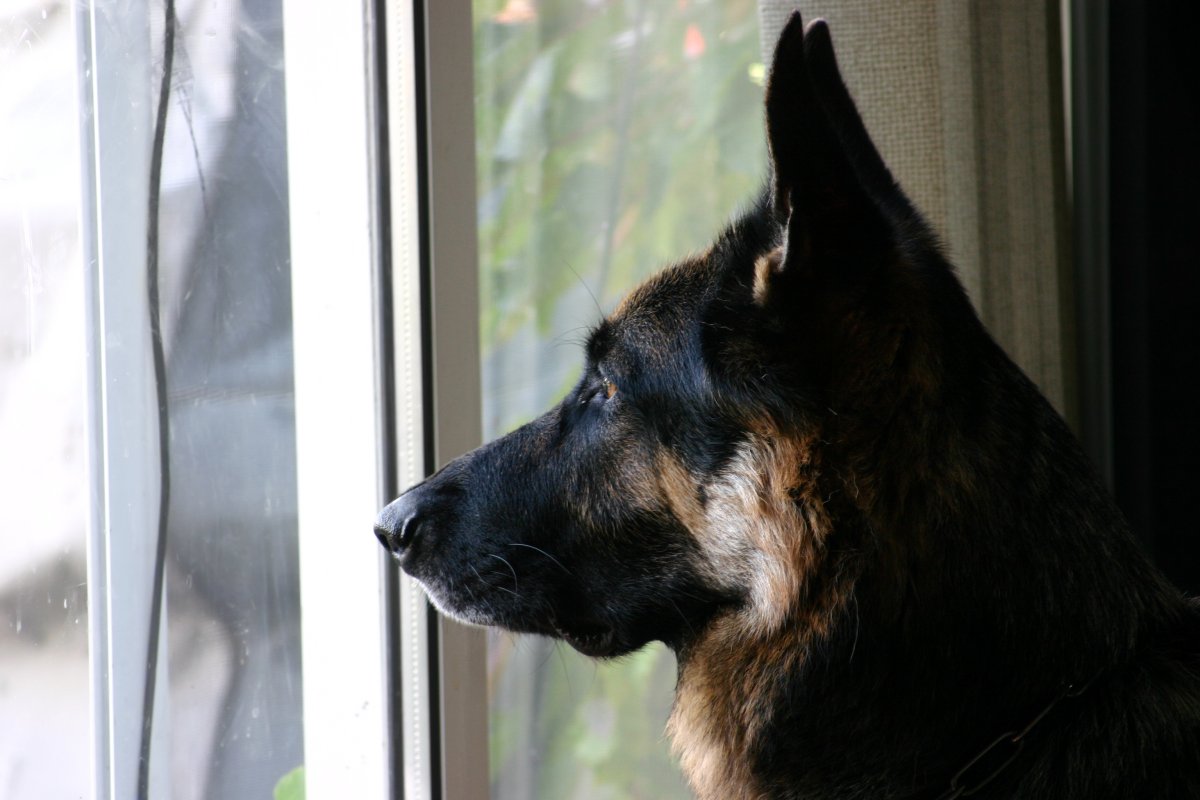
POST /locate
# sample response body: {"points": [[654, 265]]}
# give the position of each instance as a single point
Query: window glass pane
{"points": [[612, 137], [233, 590], [227, 721], [44, 710]]}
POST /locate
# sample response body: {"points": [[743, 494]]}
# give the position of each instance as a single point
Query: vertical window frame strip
{"points": [[410, 633], [333, 203], [454, 337], [449, 687], [395, 453], [122, 426], [1086, 32]]}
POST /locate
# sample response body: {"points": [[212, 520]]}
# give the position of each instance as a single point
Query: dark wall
{"points": [[1155, 272]]}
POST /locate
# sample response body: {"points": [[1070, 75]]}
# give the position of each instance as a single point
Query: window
{"points": [[374, 252], [221, 649], [193, 578], [587, 184], [301, 380], [43, 464]]}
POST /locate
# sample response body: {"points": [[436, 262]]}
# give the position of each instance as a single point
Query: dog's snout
{"points": [[383, 535], [398, 537], [400, 524]]}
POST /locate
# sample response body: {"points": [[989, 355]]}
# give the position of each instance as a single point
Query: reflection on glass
{"points": [[232, 584], [233, 716], [612, 137], [44, 709]]}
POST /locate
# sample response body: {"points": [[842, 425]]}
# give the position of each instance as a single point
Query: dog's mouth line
{"points": [[595, 639], [592, 640]]}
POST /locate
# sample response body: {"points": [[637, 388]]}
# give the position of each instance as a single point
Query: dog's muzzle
{"points": [[402, 524]]}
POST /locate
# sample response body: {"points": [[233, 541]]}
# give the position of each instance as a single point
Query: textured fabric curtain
{"points": [[965, 102]]}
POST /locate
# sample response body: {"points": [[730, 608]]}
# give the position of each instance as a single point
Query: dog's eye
{"points": [[602, 393]]}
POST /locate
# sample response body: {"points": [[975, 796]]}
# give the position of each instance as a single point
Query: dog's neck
{"points": [[934, 627], [847, 711], [727, 694]]}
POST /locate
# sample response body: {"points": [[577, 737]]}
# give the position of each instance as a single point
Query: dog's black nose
{"points": [[384, 535], [399, 524]]}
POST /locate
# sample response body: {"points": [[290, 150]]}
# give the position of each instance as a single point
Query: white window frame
{"points": [[386, 354], [338, 432], [357, 231]]}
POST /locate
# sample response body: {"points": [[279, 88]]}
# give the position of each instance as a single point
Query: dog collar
{"points": [[991, 761]]}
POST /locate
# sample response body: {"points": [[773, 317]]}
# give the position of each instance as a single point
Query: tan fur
{"points": [[708, 724], [762, 526], [679, 489], [721, 705], [755, 533], [765, 269]]}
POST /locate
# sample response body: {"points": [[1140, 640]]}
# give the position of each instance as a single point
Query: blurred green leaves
{"points": [[291, 785], [608, 141], [612, 137]]}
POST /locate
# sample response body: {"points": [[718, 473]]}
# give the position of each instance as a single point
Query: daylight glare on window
{"points": [[78, 109]]}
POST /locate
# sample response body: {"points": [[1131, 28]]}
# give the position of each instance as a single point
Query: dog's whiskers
{"points": [[467, 586], [516, 585], [543, 552], [491, 585]]}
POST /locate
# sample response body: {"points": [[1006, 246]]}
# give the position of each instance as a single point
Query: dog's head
{"points": [[709, 456]]}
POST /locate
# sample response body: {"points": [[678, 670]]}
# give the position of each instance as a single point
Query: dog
{"points": [[884, 564]]}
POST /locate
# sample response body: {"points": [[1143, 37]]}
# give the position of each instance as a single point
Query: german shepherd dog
{"points": [[883, 562]]}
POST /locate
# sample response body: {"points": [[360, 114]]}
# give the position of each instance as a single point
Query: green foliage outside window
{"points": [[612, 137]]}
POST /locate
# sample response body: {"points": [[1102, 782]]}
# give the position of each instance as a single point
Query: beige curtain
{"points": [[965, 101]]}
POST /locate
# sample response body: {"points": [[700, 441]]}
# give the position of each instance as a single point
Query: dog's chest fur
{"points": [[718, 715]]}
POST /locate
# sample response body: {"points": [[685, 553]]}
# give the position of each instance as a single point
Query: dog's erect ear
{"points": [[842, 115], [818, 148]]}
